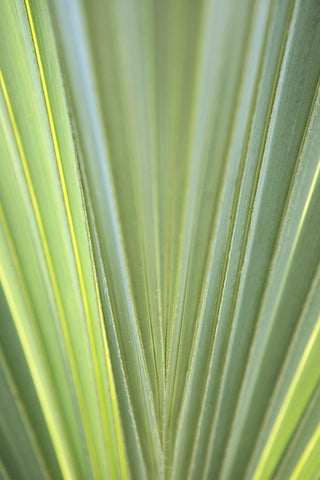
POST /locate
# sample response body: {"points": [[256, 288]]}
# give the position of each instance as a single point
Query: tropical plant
{"points": [[160, 239]]}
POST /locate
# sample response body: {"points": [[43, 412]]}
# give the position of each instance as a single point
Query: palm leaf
{"points": [[160, 235]]}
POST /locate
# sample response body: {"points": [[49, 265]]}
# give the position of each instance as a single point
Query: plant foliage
{"points": [[160, 239]]}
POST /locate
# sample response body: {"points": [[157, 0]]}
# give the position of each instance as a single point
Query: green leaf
{"points": [[47, 270], [160, 238], [22, 424]]}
